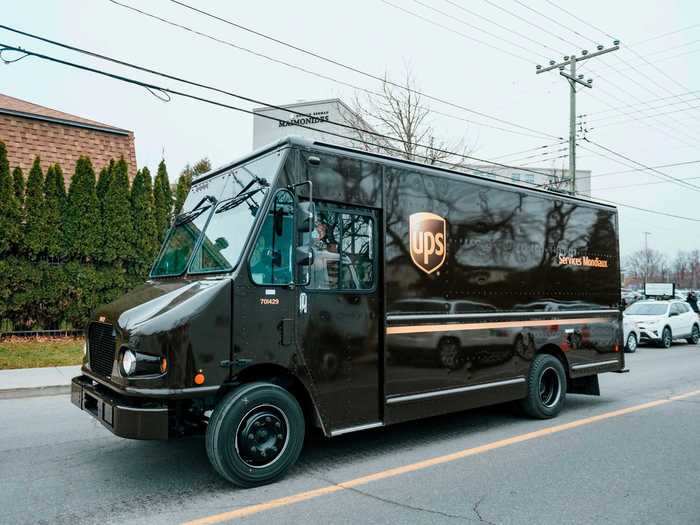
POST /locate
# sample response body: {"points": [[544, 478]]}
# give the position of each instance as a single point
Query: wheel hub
{"points": [[262, 436], [550, 387]]}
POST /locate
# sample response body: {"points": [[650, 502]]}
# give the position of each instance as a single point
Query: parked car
{"points": [[631, 334], [661, 322]]}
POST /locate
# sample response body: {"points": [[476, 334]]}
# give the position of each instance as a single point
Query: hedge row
{"points": [[63, 253]]}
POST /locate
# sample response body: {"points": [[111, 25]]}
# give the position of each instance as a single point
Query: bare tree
{"points": [[403, 115], [648, 265]]}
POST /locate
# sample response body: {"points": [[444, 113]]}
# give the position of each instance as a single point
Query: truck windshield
{"points": [[223, 227]]}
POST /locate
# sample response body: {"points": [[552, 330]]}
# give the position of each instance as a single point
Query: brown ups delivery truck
{"points": [[310, 286]]}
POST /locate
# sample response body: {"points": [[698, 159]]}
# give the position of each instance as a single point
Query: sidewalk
{"points": [[29, 382]]}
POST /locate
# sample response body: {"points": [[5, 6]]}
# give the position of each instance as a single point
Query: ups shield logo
{"points": [[428, 236]]}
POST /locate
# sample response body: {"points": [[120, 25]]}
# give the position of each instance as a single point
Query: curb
{"points": [[18, 393]]}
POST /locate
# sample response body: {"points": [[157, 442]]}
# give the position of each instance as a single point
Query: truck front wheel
{"points": [[255, 434], [546, 387]]}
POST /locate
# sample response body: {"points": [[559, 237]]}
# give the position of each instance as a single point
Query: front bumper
{"points": [[123, 416], [647, 334]]}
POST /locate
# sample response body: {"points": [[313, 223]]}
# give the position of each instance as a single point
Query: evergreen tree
{"points": [[10, 216], [185, 181], [143, 216], [54, 206], [118, 233], [183, 187], [103, 182], [62, 187], [18, 181], [82, 216], [162, 197], [35, 216]]}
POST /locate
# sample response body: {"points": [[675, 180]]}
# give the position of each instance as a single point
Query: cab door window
{"points": [[272, 258], [343, 243]]}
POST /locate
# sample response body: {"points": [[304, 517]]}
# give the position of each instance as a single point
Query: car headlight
{"points": [[84, 348], [128, 362]]}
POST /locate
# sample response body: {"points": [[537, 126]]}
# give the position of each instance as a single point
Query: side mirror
{"points": [[305, 216], [304, 256], [673, 314]]}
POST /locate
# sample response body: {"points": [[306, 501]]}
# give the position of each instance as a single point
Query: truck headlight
{"points": [[128, 362]]}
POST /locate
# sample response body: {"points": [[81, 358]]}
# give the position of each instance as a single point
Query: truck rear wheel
{"points": [[546, 387], [255, 434]]}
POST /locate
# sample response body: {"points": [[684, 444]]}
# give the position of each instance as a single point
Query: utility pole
{"points": [[573, 80]]}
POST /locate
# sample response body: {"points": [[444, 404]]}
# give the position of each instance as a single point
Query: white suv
{"points": [[663, 321]]}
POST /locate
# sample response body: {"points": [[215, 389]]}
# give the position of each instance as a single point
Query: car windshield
{"points": [[224, 208], [647, 309]]}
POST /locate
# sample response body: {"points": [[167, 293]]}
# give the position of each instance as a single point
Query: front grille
{"points": [[101, 346]]}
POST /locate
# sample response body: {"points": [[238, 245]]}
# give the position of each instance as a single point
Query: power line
{"points": [[543, 156], [644, 59], [467, 24], [454, 31], [545, 146], [649, 103], [306, 70], [556, 22], [164, 89], [229, 93], [672, 165], [346, 67], [575, 17], [666, 34], [618, 58], [636, 184], [658, 59], [662, 127], [515, 15], [501, 26], [653, 170], [606, 124]]}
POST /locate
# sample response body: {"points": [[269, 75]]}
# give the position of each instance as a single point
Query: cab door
{"points": [[338, 315], [264, 304]]}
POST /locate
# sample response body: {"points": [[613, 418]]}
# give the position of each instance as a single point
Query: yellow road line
{"points": [[439, 460]]}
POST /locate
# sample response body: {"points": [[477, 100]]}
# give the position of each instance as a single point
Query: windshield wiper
{"points": [[242, 195], [195, 212], [232, 202]]}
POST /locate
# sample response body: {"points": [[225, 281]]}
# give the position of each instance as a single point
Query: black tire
{"points": [[255, 434], [546, 388], [694, 335], [666, 338], [631, 343]]}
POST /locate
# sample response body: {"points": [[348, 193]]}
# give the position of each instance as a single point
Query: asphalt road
{"points": [[638, 466]]}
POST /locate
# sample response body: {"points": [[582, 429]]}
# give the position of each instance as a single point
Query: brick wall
{"points": [[26, 138]]}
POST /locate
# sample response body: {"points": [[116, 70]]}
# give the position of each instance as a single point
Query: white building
{"points": [[314, 120], [271, 124], [548, 178]]}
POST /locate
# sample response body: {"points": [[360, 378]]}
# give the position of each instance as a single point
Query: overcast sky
{"points": [[376, 37]]}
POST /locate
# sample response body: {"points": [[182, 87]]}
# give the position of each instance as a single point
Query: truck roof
{"points": [[295, 140]]}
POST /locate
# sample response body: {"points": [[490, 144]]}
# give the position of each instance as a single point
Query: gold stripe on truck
{"points": [[458, 327]]}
